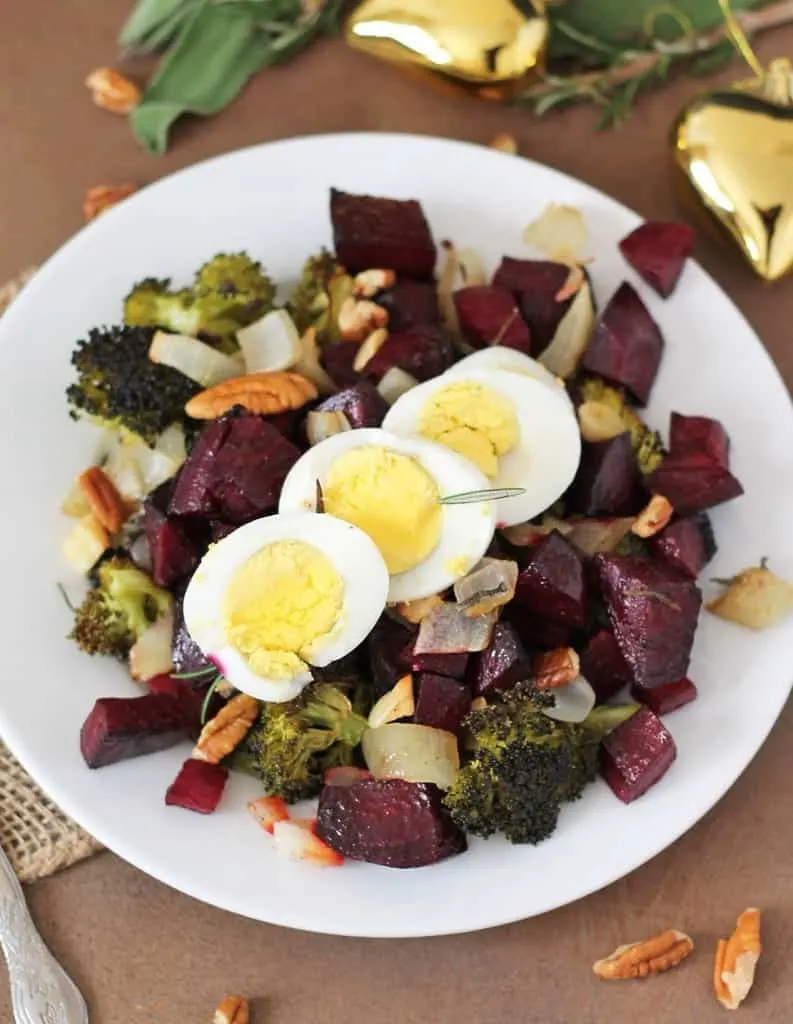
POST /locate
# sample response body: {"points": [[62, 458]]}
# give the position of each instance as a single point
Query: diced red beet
{"points": [[538, 634], [501, 665], [636, 755], [122, 727], [693, 483], [190, 693], [699, 435], [653, 612], [657, 250], [388, 821], [686, 544], [455, 666], [219, 530], [389, 648], [667, 697], [372, 232], [198, 786], [535, 284], [627, 345], [553, 584], [173, 554], [442, 702], [489, 315], [423, 352], [608, 481], [186, 655], [337, 360], [235, 470], [362, 404], [603, 665], [410, 304]]}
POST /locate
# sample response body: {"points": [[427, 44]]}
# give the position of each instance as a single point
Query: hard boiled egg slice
{"points": [[391, 488], [500, 357], [520, 432], [281, 594]]}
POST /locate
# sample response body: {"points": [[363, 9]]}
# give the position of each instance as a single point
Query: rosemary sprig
{"points": [[209, 695], [197, 673], [473, 497]]}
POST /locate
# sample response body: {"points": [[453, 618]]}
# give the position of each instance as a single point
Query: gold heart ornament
{"points": [[489, 45], [734, 150]]}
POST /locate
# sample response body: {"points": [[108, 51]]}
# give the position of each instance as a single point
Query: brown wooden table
{"points": [[144, 954]]}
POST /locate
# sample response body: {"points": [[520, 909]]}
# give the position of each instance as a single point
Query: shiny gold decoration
{"points": [[733, 150], [489, 45]]}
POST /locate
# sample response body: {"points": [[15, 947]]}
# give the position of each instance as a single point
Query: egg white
{"points": [[501, 357], [546, 457], [466, 530], [354, 557]]}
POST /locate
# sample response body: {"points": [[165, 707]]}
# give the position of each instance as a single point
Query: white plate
{"points": [[273, 201]]}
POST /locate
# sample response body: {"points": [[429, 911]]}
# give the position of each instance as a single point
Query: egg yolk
{"points": [[280, 605], [389, 496], [473, 420]]}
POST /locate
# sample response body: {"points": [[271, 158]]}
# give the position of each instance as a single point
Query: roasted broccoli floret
{"points": [[646, 443], [317, 299], [522, 765], [291, 745], [120, 607], [118, 385], [229, 292]]}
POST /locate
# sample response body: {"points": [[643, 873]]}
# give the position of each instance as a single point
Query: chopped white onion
{"points": [[572, 335], [75, 504], [308, 365], [270, 344], [526, 535], [395, 383], [490, 585], [195, 359], [592, 536], [368, 348], [415, 753], [415, 611], [172, 444], [572, 703], [560, 233], [85, 543], [397, 703], [322, 425], [151, 653], [448, 630]]}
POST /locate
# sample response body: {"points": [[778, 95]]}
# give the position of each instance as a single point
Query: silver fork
{"points": [[41, 991]]}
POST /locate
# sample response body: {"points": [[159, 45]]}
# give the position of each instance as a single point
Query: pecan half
{"points": [[227, 729], [101, 197], [370, 282], [653, 517], [736, 960], [233, 1010], [112, 91], [262, 393], [102, 495], [641, 959], [359, 317], [556, 668]]}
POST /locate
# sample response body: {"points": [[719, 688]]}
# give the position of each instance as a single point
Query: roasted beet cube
{"points": [[637, 754], [185, 652], [455, 666], [423, 352], [501, 665], [442, 702], [608, 481], [198, 786], [235, 471], [362, 404], [388, 821], [699, 435], [391, 234], [337, 360], [410, 304], [553, 584], [686, 544], [389, 648], [489, 315], [603, 665], [657, 250], [535, 284], [653, 612], [121, 727], [190, 693], [667, 697], [218, 530], [693, 483], [173, 554], [627, 345], [537, 634]]}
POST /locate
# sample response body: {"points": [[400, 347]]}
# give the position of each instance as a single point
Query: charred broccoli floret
{"points": [[229, 292], [119, 608], [646, 443], [317, 298], [118, 385], [523, 765], [291, 745]]}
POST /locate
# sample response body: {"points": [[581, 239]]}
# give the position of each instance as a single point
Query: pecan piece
{"points": [[556, 668], [359, 317], [736, 960], [653, 517], [370, 282], [227, 729], [112, 91], [641, 959], [262, 393], [101, 197], [102, 495], [233, 1010]]}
